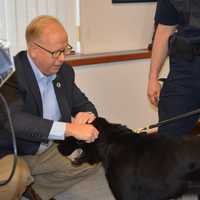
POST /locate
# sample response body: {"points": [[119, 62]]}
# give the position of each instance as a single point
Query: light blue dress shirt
{"points": [[51, 109]]}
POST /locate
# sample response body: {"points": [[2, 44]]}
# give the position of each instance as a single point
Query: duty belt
{"points": [[183, 47]]}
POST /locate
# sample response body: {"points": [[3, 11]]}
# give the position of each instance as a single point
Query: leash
{"points": [[153, 127]]}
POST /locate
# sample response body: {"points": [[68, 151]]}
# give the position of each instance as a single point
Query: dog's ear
{"points": [[67, 146], [100, 123]]}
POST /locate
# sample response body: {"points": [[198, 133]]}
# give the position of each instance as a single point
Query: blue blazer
{"points": [[23, 96]]}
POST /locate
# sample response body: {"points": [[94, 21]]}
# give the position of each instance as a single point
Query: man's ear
{"points": [[32, 51]]}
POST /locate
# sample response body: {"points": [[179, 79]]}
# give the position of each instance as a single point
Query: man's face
{"points": [[53, 39]]}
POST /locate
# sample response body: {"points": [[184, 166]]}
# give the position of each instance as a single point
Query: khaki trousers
{"points": [[54, 173], [21, 179]]}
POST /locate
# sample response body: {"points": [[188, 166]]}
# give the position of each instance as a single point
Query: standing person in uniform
{"points": [[43, 98], [177, 35]]}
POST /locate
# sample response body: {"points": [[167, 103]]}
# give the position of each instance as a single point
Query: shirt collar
{"points": [[38, 74]]}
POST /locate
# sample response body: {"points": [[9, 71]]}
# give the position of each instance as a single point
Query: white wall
{"points": [[119, 91], [113, 27]]}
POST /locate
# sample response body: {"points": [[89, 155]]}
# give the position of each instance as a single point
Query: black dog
{"points": [[143, 167]]}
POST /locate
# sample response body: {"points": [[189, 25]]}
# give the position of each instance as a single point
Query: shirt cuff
{"points": [[57, 131]]}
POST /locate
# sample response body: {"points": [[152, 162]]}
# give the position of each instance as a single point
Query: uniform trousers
{"points": [[180, 94]]}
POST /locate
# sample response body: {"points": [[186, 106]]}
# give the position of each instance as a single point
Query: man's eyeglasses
{"points": [[55, 54]]}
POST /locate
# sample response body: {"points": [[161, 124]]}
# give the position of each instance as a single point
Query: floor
{"points": [[94, 186]]}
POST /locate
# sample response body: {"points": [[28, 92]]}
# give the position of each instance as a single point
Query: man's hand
{"points": [[84, 118], [86, 132], [153, 91]]}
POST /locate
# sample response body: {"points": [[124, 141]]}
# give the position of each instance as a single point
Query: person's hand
{"points": [[84, 118], [85, 132], [153, 91]]}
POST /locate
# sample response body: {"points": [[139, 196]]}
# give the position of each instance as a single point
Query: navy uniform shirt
{"points": [[167, 14]]}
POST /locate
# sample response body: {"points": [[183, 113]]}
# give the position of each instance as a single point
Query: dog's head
{"points": [[94, 152], [110, 131], [101, 124]]}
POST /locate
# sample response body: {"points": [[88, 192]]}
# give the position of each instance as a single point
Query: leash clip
{"points": [[146, 129]]}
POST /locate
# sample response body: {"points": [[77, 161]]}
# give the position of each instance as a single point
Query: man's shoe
{"points": [[31, 194]]}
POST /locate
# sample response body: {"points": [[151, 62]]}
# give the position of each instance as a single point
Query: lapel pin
{"points": [[58, 85]]}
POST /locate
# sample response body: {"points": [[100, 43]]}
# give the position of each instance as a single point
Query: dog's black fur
{"points": [[143, 167]]}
